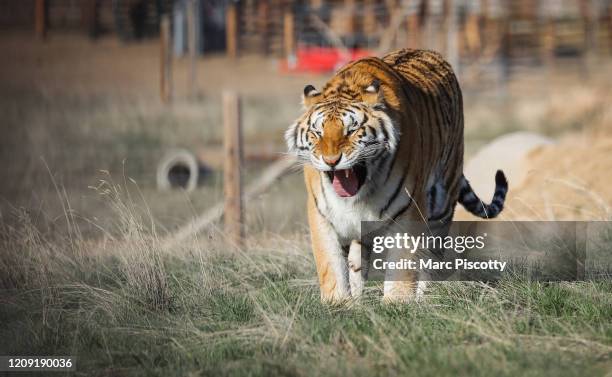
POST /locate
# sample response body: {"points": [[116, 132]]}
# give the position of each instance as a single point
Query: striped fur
{"points": [[472, 203], [400, 120]]}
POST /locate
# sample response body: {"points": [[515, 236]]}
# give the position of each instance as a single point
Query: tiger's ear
{"points": [[311, 95], [372, 94]]}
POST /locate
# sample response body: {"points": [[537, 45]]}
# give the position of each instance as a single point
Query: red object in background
{"points": [[321, 59]]}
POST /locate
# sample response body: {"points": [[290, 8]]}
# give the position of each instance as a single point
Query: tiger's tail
{"points": [[472, 203]]}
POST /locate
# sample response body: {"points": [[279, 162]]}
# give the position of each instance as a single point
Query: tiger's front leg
{"points": [[331, 264], [357, 268]]}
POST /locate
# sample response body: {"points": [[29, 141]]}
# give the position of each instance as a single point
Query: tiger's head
{"points": [[344, 130]]}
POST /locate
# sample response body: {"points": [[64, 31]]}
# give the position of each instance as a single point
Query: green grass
{"points": [[124, 306]]}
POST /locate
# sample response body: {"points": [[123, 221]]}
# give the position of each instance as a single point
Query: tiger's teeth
{"points": [[346, 173]]}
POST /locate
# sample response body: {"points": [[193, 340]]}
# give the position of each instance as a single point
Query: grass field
{"points": [[83, 273], [125, 306]]}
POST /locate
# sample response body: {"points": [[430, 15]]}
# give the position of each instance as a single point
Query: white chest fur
{"points": [[346, 214]]}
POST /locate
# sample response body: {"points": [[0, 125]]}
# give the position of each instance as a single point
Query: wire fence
{"points": [[481, 33]]}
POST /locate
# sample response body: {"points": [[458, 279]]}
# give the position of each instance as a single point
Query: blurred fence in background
{"points": [[317, 35], [497, 33]]}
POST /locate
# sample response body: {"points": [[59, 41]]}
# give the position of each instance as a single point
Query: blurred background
{"points": [[129, 91]]}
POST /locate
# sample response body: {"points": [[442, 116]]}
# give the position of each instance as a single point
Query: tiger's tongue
{"points": [[345, 182]]}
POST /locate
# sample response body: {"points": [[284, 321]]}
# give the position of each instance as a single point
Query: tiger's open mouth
{"points": [[347, 182]]}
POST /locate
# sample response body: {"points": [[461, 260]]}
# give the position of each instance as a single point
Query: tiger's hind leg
{"points": [[405, 285], [400, 284]]}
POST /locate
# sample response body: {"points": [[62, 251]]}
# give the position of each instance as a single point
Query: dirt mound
{"points": [[507, 153], [570, 180]]}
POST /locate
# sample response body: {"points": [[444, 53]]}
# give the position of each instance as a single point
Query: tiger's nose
{"points": [[332, 160]]}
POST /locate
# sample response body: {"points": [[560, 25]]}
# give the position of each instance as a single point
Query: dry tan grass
{"points": [[123, 303], [566, 181]]}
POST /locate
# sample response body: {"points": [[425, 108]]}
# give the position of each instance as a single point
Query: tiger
{"points": [[382, 141]]}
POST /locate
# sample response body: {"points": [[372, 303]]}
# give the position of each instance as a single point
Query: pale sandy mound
{"points": [[570, 180], [507, 153]]}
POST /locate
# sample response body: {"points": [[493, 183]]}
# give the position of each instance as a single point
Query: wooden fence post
{"points": [[40, 19], [413, 24], [289, 33], [263, 27], [232, 183], [191, 38], [231, 32], [452, 36], [165, 59], [89, 17]]}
